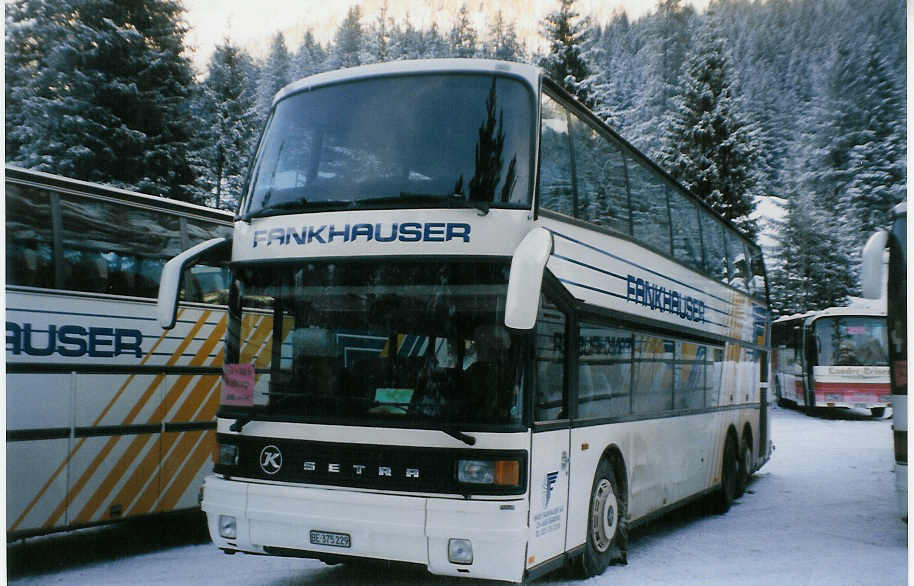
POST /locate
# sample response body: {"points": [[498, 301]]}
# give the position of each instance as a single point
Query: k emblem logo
{"points": [[270, 459]]}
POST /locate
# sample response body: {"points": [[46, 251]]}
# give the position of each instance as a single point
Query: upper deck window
{"points": [[442, 140]]}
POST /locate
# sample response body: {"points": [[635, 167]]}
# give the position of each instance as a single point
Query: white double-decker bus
{"points": [[472, 328], [107, 416]]}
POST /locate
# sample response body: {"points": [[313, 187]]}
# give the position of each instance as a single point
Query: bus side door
{"points": [[549, 449]]}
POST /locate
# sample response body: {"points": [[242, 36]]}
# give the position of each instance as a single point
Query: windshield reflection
{"points": [[852, 341], [416, 141], [412, 345]]}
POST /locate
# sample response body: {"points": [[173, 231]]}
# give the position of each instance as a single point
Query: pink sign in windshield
{"points": [[238, 385]]}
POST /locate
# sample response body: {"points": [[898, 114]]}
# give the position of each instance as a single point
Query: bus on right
{"points": [[892, 285], [833, 358]]}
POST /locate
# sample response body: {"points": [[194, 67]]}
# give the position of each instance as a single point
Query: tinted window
{"points": [[29, 237], [715, 248], [738, 263], [691, 376], [556, 189], [116, 249], [604, 371], [549, 401], [652, 389], [601, 178], [397, 142], [686, 231], [757, 270], [715, 373], [413, 344], [650, 213]]}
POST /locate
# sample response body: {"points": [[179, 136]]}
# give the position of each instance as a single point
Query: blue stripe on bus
{"points": [[636, 265], [11, 309], [610, 293], [605, 272]]}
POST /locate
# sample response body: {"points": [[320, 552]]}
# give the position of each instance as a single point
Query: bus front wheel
{"points": [[605, 523], [877, 412]]}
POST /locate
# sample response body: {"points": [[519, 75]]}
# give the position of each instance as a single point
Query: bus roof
{"points": [[857, 307], [66, 184], [529, 73]]}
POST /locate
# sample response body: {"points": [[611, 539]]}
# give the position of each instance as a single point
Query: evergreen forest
{"points": [[795, 102]]}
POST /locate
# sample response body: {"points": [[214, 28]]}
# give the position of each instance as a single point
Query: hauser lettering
{"points": [[72, 341]]}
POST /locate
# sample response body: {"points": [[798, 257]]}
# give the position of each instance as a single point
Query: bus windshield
{"points": [[406, 344], [852, 341], [406, 141]]}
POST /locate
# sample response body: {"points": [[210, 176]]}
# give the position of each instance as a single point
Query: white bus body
{"points": [[887, 282], [362, 330], [107, 416]]}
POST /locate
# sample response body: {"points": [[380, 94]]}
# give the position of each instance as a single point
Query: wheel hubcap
{"points": [[604, 515]]}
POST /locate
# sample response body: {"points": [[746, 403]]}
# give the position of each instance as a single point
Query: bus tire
{"points": [[745, 465], [877, 412], [606, 529], [729, 476]]}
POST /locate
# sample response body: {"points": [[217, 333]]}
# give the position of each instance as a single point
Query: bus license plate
{"points": [[332, 539]]}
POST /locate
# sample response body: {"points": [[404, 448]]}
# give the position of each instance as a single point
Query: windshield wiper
{"points": [[465, 438], [448, 200], [295, 206], [239, 424]]}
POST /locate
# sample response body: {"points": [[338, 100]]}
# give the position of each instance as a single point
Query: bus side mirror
{"points": [[526, 279], [170, 283], [873, 261]]}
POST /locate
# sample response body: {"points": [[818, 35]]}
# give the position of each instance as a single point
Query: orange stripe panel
{"points": [[153, 458], [79, 444], [109, 445], [167, 457], [189, 471], [185, 471], [107, 485]]}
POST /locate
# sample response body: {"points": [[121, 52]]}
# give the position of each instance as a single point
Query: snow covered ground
{"points": [[822, 511]]}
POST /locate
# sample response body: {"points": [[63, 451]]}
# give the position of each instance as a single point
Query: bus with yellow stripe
{"points": [[108, 417], [471, 328]]}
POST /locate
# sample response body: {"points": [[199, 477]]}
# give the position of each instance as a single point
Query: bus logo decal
{"points": [[270, 459], [393, 232], [664, 300], [551, 478]]}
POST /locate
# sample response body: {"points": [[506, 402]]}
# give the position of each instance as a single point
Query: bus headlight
{"points": [[493, 472], [228, 455], [460, 551], [228, 528]]}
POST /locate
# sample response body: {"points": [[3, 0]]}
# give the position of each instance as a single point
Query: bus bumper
{"points": [[279, 520]]}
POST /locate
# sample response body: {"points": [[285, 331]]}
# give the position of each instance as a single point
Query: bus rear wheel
{"points": [[745, 465], [605, 523], [729, 477]]}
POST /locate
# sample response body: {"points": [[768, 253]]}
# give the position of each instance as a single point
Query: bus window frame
{"points": [[557, 93], [532, 92]]}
